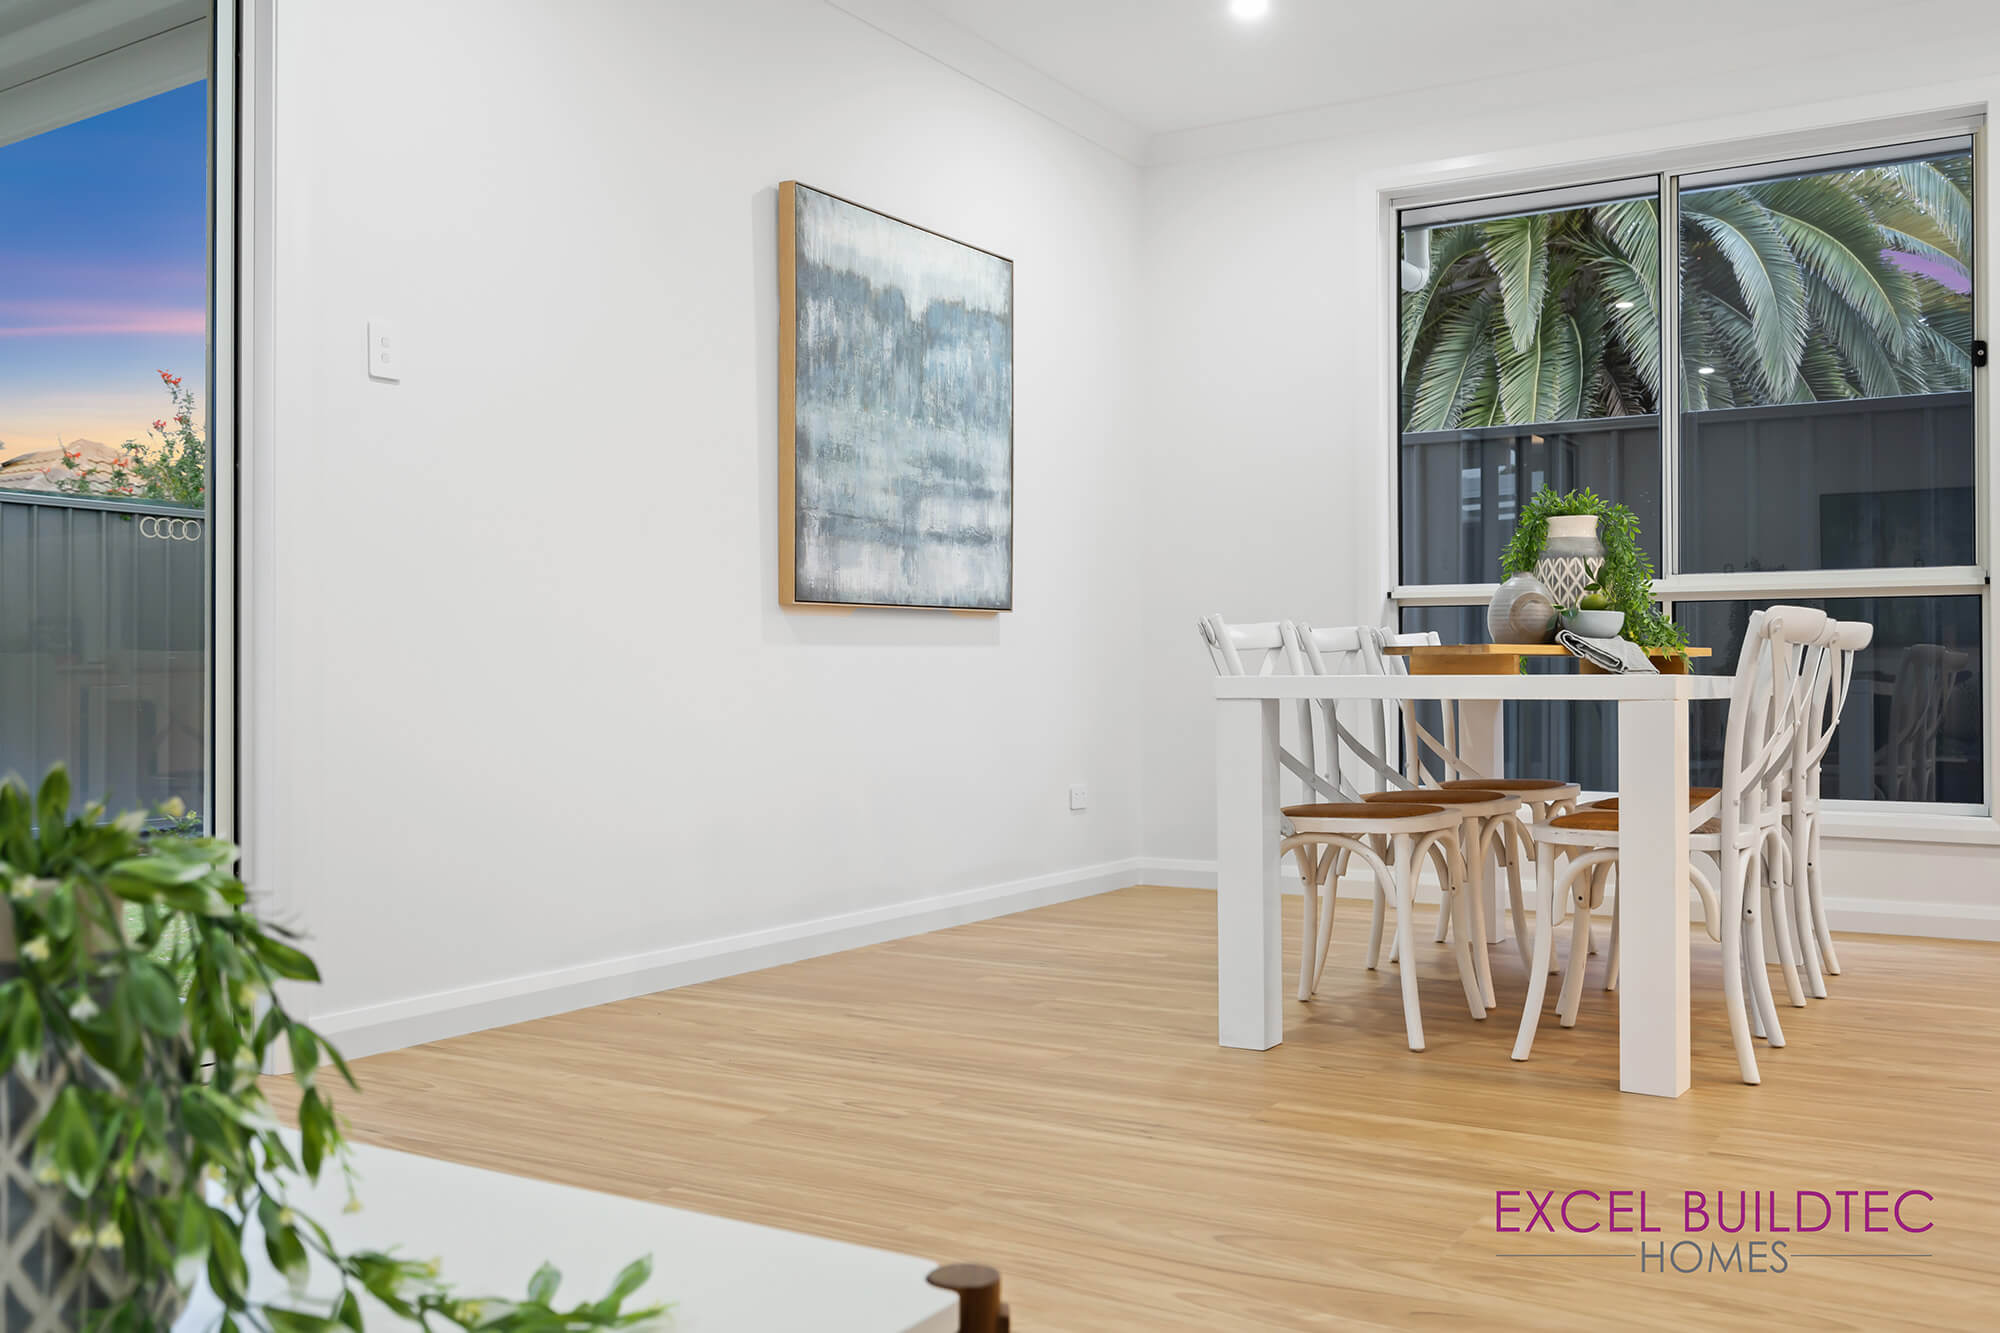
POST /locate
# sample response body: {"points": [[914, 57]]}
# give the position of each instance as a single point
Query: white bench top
{"points": [[493, 1231]]}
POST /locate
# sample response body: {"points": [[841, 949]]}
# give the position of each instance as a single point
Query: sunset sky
{"points": [[103, 272]]}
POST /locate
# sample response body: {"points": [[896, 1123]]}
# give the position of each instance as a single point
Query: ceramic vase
{"points": [[1522, 611], [1571, 557]]}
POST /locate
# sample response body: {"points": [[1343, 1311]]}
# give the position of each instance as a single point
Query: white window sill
{"points": [[1900, 826], [1859, 825]]}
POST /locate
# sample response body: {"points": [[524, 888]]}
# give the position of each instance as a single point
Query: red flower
{"points": [[159, 425], [182, 418]]}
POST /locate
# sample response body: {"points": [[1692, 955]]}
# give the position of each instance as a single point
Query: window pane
{"points": [[1576, 741], [1530, 357], [1460, 488], [103, 471], [1826, 334], [1913, 727]]}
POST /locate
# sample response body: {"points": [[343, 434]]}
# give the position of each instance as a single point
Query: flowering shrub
{"points": [[172, 466]]}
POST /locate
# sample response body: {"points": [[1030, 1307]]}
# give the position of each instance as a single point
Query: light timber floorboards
{"points": [[1044, 1092]]}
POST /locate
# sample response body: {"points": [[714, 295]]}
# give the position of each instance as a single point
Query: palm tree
{"points": [[1841, 285]]}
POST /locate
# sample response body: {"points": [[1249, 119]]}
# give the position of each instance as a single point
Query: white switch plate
{"points": [[385, 351], [1079, 796]]}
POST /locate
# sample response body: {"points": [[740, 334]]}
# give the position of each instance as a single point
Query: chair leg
{"points": [[1406, 901], [1753, 944], [1828, 957], [1461, 930], [1307, 859], [1338, 868], [1538, 965], [1472, 880], [1611, 960], [1802, 914], [1777, 894], [1514, 850], [1375, 928], [1444, 924], [1732, 964], [1571, 999]]}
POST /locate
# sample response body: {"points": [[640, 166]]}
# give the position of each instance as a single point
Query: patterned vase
{"points": [[45, 1285], [1571, 557], [1521, 612]]}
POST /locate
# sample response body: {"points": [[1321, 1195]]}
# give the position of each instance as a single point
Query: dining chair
{"points": [[1540, 797], [1324, 834], [1925, 683], [1776, 678], [1802, 811]]}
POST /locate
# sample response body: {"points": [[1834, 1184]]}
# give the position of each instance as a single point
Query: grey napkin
{"points": [[1620, 655]]}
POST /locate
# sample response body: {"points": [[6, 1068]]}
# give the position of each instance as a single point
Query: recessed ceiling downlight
{"points": [[1249, 11]]}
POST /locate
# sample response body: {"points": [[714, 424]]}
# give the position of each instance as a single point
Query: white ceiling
{"points": [[38, 37], [1158, 67]]}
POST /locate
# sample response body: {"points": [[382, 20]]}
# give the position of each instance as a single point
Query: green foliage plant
{"points": [[160, 1139], [171, 466], [1627, 577]]}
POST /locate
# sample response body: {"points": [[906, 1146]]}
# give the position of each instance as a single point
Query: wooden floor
{"points": [[1043, 1092]]}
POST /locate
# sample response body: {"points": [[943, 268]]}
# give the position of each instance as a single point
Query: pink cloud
{"points": [[55, 319]]}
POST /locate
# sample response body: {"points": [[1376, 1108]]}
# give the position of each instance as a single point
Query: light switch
{"points": [[385, 353]]}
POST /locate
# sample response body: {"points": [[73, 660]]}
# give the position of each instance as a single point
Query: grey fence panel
{"points": [[104, 646]]}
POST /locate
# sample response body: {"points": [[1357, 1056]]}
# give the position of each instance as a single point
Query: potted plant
{"points": [[138, 1005], [1622, 578]]}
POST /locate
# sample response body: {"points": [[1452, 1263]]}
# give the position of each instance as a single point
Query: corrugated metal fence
{"points": [[104, 646]]}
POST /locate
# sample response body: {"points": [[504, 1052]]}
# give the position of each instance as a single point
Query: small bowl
{"points": [[1595, 624]]}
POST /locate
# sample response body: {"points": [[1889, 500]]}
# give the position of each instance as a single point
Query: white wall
{"points": [[1268, 443], [530, 728]]}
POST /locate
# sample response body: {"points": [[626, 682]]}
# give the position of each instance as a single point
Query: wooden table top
{"points": [[1517, 650], [1504, 659]]}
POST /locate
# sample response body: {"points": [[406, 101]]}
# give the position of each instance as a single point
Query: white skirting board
{"points": [[1881, 916], [433, 1017], [386, 1027]]}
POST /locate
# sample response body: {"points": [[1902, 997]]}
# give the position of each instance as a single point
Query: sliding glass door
{"points": [[1816, 341], [106, 407]]}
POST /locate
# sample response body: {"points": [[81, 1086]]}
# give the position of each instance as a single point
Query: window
{"points": [[1815, 343], [106, 514]]}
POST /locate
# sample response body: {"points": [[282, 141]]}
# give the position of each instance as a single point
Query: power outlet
{"points": [[385, 355], [1079, 796]]}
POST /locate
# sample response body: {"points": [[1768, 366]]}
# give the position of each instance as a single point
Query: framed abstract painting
{"points": [[896, 412]]}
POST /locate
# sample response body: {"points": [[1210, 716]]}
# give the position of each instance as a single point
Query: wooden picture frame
{"points": [[952, 503]]}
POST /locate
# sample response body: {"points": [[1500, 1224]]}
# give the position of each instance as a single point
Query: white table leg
{"points": [[1482, 743], [1249, 962], [1652, 896]]}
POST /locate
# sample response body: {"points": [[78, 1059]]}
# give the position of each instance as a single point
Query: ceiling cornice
{"points": [[923, 30]]}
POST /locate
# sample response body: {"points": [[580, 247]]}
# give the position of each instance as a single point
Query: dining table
{"points": [[1652, 729]]}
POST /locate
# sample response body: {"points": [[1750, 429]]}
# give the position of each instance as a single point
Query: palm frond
{"points": [[1462, 352], [1517, 248], [1766, 273], [1544, 380], [1942, 197], [1836, 240], [1448, 246]]}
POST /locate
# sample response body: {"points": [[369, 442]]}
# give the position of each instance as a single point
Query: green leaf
{"points": [[350, 1311], [1518, 250], [52, 805], [283, 958], [297, 1321], [542, 1286], [227, 1274], [24, 1030], [630, 1278], [153, 997], [305, 1052]]}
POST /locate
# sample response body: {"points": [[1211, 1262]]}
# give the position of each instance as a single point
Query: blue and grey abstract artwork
{"points": [[904, 408]]}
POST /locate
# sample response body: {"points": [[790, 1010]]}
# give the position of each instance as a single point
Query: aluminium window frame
{"points": [[1749, 158]]}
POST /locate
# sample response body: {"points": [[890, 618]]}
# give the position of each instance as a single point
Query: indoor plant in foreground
{"points": [[141, 1144], [1624, 580]]}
